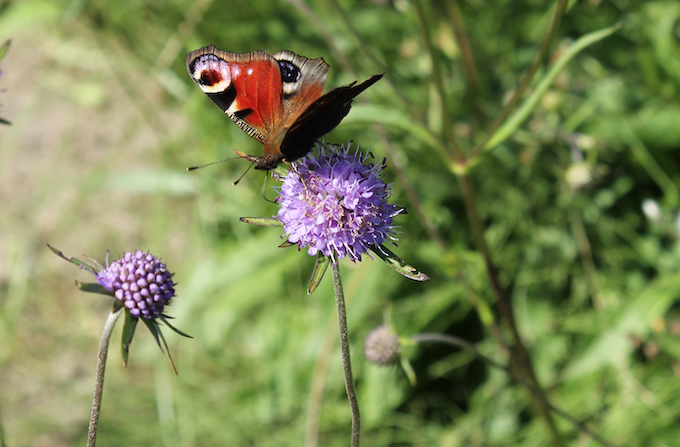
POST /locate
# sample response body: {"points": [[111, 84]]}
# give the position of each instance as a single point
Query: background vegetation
{"points": [[579, 208]]}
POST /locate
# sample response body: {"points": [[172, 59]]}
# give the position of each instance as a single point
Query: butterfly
{"points": [[276, 99]]}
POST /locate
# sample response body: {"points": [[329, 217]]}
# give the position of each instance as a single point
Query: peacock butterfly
{"points": [[276, 99]]}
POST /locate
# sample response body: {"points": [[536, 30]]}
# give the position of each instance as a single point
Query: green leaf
{"points": [[658, 126], [4, 48], [530, 103], [322, 263], [262, 221], [92, 269], [395, 263], [158, 335], [635, 319], [164, 318], [128, 332], [390, 116], [93, 287], [4, 121], [152, 181]]}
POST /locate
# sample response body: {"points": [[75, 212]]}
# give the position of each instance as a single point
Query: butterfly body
{"points": [[276, 99]]}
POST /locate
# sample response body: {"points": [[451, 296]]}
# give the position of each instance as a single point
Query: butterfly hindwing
{"points": [[321, 117]]}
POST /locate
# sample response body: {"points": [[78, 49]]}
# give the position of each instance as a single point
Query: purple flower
{"points": [[336, 203], [141, 282]]}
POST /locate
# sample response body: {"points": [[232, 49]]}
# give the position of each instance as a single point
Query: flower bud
{"points": [[382, 346]]}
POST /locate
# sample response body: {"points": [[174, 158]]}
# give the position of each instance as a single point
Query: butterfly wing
{"points": [[262, 94], [322, 116], [276, 99], [247, 87]]}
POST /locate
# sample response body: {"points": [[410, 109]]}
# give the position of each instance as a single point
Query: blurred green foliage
{"points": [[105, 119]]}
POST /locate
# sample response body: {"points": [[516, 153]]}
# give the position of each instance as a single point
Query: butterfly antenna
{"points": [[242, 175], [193, 168]]}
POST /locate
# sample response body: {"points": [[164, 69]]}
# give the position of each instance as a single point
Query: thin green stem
{"points": [[454, 150], [586, 254], [461, 343], [510, 106], [99, 379], [504, 306], [344, 348], [465, 49], [397, 91]]}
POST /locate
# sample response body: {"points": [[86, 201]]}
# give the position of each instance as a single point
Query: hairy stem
{"points": [[344, 348], [99, 379]]}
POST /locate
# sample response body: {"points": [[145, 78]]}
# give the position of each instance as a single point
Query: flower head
{"points": [[141, 282], [337, 204], [382, 346]]}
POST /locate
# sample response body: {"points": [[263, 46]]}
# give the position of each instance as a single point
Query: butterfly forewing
{"points": [[303, 80], [247, 87]]}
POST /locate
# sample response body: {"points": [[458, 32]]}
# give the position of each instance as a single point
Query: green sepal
{"points": [[395, 263], [262, 221], [128, 332], [4, 121], [158, 335], [287, 244], [93, 287], [322, 263], [90, 268], [4, 48], [164, 318], [408, 370], [117, 305]]}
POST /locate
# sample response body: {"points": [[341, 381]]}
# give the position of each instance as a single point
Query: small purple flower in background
{"points": [[382, 346], [337, 204], [141, 282]]}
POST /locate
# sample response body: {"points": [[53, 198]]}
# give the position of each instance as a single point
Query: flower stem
{"points": [[510, 106], [344, 348], [99, 379], [519, 356]]}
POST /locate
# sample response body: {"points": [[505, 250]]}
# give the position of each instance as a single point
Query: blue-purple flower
{"points": [[141, 282], [337, 204]]}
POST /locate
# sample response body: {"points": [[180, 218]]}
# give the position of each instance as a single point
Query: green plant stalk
{"points": [[545, 46], [505, 310], [656, 172], [344, 348], [465, 48], [528, 106], [586, 255], [416, 115], [453, 150], [460, 343], [99, 379]]}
